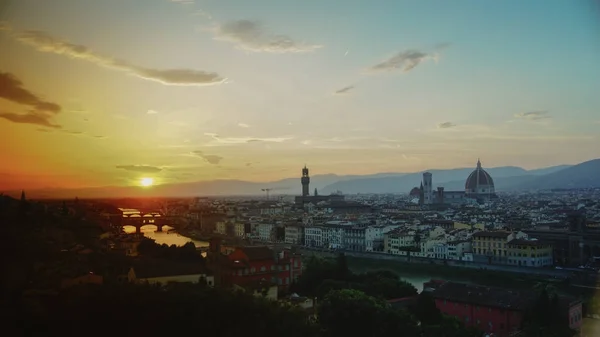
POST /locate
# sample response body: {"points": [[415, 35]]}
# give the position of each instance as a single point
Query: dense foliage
{"points": [[141, 310], [545, 317], [187, 252], [322, 276]]}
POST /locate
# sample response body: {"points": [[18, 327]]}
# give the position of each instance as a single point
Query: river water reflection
{"points": [[172, 238], [166, 237]]}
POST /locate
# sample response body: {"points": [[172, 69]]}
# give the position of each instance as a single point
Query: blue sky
{"points": [[512, 82]]}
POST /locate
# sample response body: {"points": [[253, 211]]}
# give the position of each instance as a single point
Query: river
{"points": [[166, 237], [172, 238], [415, 278]]}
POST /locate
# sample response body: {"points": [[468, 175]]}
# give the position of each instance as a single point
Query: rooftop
{"points": [[483, 296], [489, 234]]}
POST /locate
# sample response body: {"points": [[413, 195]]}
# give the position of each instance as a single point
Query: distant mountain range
{"points": [[507, 178]]}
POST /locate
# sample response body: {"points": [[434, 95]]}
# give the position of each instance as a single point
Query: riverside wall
{"points": [[550, 272]]}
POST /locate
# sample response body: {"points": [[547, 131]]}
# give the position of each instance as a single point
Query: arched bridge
{"points": [[141, 218]]}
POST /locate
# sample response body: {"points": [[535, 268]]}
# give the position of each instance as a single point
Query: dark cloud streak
{"points": [[209, 158], [44, 42], [344, 90], [139, 168], [446, 125], [250, 35], [533, 115], [11, 89]]}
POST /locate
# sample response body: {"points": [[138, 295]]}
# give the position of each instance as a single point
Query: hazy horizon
{"points": [[105, 93], [297, 176]]}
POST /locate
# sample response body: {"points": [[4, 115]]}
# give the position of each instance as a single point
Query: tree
{"points": [[426, 311], [167, 310], [353, 313], [545, 317], [342, 267], [64, 210], [417, 240]]}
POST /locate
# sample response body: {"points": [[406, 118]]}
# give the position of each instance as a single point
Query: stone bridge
{"points": [[139, 219]]}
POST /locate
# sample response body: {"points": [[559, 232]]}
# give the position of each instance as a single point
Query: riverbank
{"points": [[490, 275]]}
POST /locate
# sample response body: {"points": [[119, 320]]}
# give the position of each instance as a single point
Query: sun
{"points": [[147, 182]]}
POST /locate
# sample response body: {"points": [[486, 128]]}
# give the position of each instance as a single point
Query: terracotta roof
{"points": [[523, 242], [258, 253], [484, 296], [489, 234]]}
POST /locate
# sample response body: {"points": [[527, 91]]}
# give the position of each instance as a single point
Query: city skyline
{"points": [[182, 91]]}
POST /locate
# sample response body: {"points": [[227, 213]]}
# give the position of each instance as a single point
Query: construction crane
{"points": [[267, 190]]}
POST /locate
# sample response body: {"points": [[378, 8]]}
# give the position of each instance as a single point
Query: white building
{"points": [[354, 238], [313, 236], [440, 250], [333, 236], [457, 250], [396, 241], [265, 231], [374, 237], [294, 234]]}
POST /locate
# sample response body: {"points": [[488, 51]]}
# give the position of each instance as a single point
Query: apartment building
{"points": [[491, 246], [294, 234]]}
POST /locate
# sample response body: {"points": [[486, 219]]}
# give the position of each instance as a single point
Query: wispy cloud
{"points": [[151, 112], [404, 61], [251, 36], [73, 133], [533, 115], [33, 117], [4, 26], [44, 42], [245, 140], [139, 168], [446, 125], [11, 88], [209, 158], [41, 111], [183, 2], [203, 14], [344, 90], [243, 125]]}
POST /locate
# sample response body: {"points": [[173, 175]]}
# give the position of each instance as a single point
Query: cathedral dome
{"points": [[479, 182], [415, 192]]}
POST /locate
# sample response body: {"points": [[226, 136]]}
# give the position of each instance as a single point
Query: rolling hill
{"points": [[506, 178]]}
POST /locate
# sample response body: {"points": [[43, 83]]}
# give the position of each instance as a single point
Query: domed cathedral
{"points": [[479, 184], [479, 187]]}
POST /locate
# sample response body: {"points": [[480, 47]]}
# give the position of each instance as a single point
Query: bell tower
{"points": [[305, 182]]}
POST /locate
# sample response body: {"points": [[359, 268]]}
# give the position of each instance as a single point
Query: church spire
{"points": [[478, 163]]}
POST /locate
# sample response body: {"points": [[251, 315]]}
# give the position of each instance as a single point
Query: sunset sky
{"points": [[105, 92]]}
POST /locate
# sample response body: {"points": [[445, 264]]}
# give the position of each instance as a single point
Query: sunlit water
{"points": [[173, 238], [169, 238]]}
